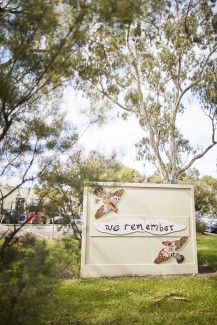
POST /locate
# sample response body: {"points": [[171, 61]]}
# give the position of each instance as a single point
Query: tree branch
{"points": [[114, 101], [198, 156]]}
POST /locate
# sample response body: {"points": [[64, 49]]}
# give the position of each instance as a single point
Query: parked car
{"points": [[35, 218], [64, 220], [211, 224], [60, 220], [9, 216], [30, 217], [21, 217]]}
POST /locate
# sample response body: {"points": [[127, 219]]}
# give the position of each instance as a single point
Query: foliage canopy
{"points": [[150, 66]]}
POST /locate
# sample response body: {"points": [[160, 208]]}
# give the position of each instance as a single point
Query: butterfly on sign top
{"points": [[108, 201]]}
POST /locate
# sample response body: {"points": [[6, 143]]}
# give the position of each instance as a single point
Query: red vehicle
{"points": [[30, 217], [34, 218]]}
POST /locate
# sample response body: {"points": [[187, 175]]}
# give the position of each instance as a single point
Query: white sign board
{"points": [[138, 229]]}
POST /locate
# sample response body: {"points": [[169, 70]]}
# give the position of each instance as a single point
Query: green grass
{"points": [[165, 300], [149, 300], [123, 301], [207, 251]]}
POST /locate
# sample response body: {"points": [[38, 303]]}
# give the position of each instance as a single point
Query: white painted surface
{"points": [[104, 254]]}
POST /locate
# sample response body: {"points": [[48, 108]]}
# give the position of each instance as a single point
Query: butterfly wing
{"points": [[162, 256], [99, 193], [180, 242], [101, 211], [115, 197]]}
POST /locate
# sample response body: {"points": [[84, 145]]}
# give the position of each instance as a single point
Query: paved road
{"points": [[48, 231]]}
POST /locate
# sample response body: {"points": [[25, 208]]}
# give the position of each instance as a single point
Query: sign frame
{"points": [[91, 268]]}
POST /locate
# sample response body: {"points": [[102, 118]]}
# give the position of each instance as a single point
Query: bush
{"points": [[65, 253]]}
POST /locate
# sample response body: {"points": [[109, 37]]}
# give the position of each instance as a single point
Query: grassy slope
{"points": [[149, 300]]}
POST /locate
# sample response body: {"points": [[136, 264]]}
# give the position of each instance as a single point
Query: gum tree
{"points": [[36, 39], [150, 66]]}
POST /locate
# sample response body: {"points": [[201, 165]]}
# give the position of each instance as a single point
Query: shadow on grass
{"points": [[206, 269]]}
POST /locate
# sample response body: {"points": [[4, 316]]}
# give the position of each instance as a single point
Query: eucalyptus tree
{"points": [[36, 39], [151, 66]]}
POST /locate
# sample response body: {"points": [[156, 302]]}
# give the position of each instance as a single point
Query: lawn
{"points": [[207, 252], [166, 300], [148, 300], [183, 299]]}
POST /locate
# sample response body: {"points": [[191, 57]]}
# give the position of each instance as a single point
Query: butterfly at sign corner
{"points": [[109, 201]]}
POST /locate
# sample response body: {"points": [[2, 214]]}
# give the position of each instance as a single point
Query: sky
{"points": [[120, 136]]}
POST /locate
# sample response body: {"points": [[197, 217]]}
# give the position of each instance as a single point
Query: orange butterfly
{"points": [[169, 250], [109, 201]]}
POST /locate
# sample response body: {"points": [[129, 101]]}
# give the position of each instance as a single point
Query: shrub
{"points": [[65, 253]]}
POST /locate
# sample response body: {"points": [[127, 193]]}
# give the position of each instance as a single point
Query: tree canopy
{"points": [[35, 42], [78, 170], [146, 58], [152, 65], [32, 146], [205, 189]]}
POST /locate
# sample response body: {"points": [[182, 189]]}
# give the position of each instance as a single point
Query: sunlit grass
{"points": [[207, 251], [158, 300], [148, 300], [183, 299]]}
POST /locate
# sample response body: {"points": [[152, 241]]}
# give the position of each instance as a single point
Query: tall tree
{"points": [[36, 39], [148, 66]]}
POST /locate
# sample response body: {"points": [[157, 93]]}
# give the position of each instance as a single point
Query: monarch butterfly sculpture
{"points": [[109, 201], [169, 250]]}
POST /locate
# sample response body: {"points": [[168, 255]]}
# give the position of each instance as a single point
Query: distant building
{"points": [[21, 198]]}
